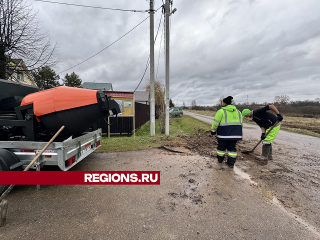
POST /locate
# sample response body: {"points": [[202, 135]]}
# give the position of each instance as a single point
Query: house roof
{"points": [[12, 66], [141, 96], [17, 65], [98, 86]]}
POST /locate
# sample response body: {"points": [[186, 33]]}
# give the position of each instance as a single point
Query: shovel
{"points": [[4, 203], [250, 151]]}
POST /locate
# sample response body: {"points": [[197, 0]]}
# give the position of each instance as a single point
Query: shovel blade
{"points": [[247, 152]]}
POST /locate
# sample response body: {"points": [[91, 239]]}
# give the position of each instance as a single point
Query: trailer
{"points": [[65, 154], [26, 127]]}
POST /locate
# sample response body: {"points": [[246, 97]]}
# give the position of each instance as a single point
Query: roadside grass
{"points": [[185, 125], [207, 113], [302, 125]]}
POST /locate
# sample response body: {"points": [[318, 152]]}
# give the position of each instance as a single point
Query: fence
{"points": [[124, 125]]}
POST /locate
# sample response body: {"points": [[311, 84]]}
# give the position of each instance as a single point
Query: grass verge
{"points": [[185, 125], [302, 125]]}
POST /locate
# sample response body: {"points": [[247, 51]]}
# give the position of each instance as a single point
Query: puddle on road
{"points": [[244, 175], [276, 202]]}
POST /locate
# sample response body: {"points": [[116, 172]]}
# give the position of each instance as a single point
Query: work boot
{"points": [[220, 158], [270, 153], [230, 162], [265, 153]]}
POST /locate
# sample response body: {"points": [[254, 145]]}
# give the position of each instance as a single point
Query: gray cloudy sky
{"points": [[259, 48]]}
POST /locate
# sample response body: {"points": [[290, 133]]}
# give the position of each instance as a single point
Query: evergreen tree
{"points": [[45, 77], [72, 80], [171, 104]]}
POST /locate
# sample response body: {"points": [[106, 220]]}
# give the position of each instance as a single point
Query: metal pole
{"points": [[167, 15], [108, 127], [134, 118], [152, 99]]}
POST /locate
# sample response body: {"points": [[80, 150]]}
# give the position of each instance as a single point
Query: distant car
{"points": [[176, 112]]}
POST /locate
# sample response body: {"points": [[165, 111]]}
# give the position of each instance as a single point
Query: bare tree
{"points": [[193, 104], [20, 37], [282, 99], [159, 93], [219, 103]]}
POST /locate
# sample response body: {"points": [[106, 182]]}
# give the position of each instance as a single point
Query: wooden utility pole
{"points": [[167, 16], [152, 98]]}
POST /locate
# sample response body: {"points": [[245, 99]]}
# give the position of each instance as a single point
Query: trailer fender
{"points": [[9, 161]]}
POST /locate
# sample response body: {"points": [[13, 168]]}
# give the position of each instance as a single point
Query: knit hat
{"points": [[227, 100], [245, 112]]}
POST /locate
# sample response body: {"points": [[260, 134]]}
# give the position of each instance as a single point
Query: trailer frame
{"points": [[64, 154]]}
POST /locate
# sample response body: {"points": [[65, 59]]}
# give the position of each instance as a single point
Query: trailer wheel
{"points": [[2, 187], [7, 159]]}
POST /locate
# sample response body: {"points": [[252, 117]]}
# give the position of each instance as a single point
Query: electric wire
{"points": [[148, 61], [147, 66], [104, 8], [106, 46]]}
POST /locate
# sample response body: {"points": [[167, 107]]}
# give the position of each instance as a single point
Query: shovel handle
{"points": [[266, 136], [32, 162]]}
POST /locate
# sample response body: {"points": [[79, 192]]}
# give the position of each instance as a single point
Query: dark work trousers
{"points": [[230, 146]]}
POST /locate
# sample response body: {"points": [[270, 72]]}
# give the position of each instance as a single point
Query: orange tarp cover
{"points": [[59, 99]]}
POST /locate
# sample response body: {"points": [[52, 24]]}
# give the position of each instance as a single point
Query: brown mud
{"points": [[206, 145], [292, 177]]}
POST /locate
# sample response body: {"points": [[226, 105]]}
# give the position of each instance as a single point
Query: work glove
{"points": [[213, 132], [263, 136], [280, 118]]}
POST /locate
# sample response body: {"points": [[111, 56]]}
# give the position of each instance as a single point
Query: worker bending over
{"points": [[265, 120], [227, 124]]}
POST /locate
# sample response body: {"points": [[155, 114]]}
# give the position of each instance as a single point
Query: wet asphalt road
{"points": [[197, 199]]}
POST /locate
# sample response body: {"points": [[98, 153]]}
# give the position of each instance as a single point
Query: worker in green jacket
{"points": [[265, 119], [227, 124]]}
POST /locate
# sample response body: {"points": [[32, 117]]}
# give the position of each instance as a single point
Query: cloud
{"points": [[247, 48]]}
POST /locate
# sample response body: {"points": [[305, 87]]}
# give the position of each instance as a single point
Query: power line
{"points": [[147, 66], [106, 46], [105, 8], [148, 61]]}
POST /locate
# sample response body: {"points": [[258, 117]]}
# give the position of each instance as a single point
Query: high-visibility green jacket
{"points": [[228, 123]]}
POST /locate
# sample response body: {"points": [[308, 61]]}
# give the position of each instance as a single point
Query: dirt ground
{"points": [[292, 176]]}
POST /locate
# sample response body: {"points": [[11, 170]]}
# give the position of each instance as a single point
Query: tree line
{"points": [[45, 77], [306, 108]]}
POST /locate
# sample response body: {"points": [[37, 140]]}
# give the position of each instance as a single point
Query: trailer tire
{"points": [[7, 159], [2, 187]]}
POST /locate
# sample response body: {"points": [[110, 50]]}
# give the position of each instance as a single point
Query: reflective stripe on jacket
{"points": [[228, 123]]}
